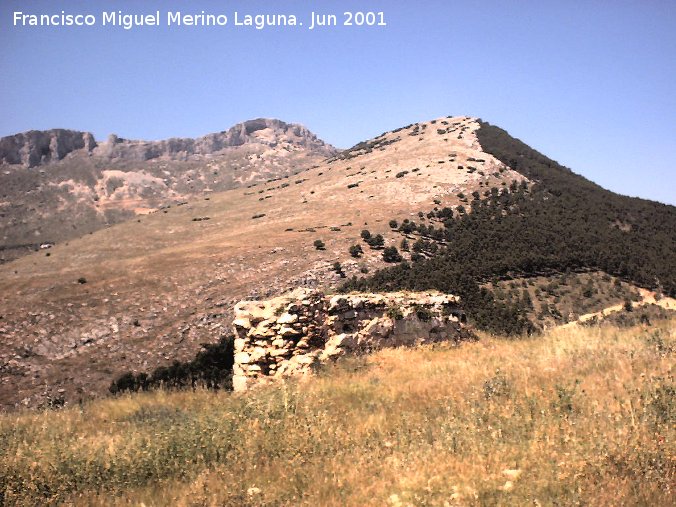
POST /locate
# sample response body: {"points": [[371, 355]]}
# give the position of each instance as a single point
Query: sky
{"points": [[591, 84]]}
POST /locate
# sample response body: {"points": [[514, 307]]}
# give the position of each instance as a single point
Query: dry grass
{"points": [[579, 416]]}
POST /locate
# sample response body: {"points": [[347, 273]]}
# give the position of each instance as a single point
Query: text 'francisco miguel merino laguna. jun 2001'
{"points": [[176, 19]]}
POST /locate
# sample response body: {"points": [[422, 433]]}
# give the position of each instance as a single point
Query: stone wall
{"points": [[289, 334]]}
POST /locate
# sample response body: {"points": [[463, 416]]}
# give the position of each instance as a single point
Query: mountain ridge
{"points": [[59, 184], [148, 291], [34, 148]]}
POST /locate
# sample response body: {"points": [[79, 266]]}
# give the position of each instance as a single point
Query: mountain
{"points": [[562, 223], [526, 243], [60, 184]]}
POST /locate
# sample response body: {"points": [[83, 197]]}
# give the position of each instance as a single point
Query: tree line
{"points": [[563, 222]]}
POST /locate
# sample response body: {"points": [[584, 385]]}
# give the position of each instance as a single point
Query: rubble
{"points": [[289, 335]]}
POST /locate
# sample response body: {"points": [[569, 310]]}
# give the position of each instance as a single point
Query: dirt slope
{"points": [[158, 286], [58, 185]]}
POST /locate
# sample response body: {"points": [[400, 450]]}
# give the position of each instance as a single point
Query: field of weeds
{"points": [[574, 417]]}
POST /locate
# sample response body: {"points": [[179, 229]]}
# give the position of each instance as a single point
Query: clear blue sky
{"points": [[591, 84]]}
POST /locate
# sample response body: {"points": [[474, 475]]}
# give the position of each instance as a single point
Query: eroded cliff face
{"points": [[289, 335], [36, 148], [59, 184], [39, 147]]}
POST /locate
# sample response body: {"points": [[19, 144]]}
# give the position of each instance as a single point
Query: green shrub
{"points": [[338, 268], [376, 242], [356, 251], [391, 254], [395, 313]]}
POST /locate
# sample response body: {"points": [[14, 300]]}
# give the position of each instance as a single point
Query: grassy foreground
{"points": [[579, 416]]}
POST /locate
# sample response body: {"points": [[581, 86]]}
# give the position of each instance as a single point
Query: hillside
{"points": [[573, 417], [159, 286], [60, 184], [562, 223], [149, 291]]}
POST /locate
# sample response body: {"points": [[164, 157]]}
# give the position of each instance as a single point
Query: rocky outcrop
{"points": [[263, 131], [79, 186], [37, 147], [288, 335]]}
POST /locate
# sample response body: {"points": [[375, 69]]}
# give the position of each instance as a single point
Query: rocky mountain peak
{"points": [[36, 148]]}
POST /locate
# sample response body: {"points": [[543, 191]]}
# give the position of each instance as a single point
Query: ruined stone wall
{"points": [[289, 334]]}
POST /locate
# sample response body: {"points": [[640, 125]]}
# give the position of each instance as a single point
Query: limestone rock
{"points": [[305, 359], [287, 318], [333, 347], [288, 334], [35, 147], [287, 331], [379, 326], [242, 322], [257, 354], [242, 358], [239, 383]]}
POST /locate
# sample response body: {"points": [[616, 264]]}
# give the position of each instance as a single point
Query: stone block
{"points": [[287, 331], [242, 358], [239, 383], [257, 354], [287, 318], [242, 322], [305, 359]]}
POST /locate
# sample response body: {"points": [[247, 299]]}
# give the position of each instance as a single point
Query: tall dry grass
{"points": [[578, 416]]}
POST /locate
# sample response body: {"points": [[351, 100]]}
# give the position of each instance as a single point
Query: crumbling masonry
{"points": [[287, 335]]}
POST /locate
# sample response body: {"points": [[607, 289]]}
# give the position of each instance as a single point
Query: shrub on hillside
{"points": [[356, 251], [338, 268], [376, 242], [391, 254]]}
